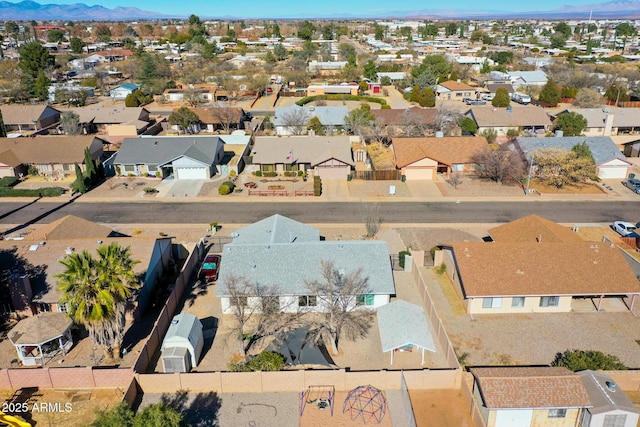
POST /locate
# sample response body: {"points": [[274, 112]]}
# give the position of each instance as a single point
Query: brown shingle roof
{"points": [[455, 86], [48, 149], [520, 115], [531, 388], [523, 269], [398, 116], [218, 115], [9, 158], [70, 227], [447, 150], [533, 228], [22, 114]]}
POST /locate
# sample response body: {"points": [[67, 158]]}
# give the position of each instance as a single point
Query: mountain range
{"points": [[30, 10]]}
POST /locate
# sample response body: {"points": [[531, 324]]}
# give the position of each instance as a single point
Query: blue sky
{"points": [[284, 8]]}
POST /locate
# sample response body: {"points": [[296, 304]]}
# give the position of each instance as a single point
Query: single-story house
{"points": [[29, 118], [264, 253], [294, 119], [313, 90], [328, 157], [116, 120], [423, 158], [214, 119], [608, 120], [493, 87], [610, 162], [452, 90], [34, 288], [113, 55], [527, 397], [543, 275], [403, 121], [394, 76], [527, 118], [52, 156], [176, 95], [527, 78], [121, 91], [610, 406], [69, 90], [180, 157], [325, 67]]}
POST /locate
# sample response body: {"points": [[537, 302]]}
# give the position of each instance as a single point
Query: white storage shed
{"points": [[183, 344]]}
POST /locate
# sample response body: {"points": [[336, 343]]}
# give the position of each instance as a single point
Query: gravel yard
{"points": [[473, 186]]}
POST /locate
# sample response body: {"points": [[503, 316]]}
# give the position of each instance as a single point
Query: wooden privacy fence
{"points": [[378, 175]]}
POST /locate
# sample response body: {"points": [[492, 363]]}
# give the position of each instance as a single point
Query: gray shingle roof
{"points": [[277, 229], [596, 117], [160, 150], [289, 266], [402, 323], [331, 115], [602, 147], [602, 398], [304, 149]]}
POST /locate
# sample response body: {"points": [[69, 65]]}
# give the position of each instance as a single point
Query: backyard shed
{"points": [[611, 406], [183, 344]]}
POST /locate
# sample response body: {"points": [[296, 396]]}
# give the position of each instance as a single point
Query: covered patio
{"points": [[39, 338], [404, 326]]}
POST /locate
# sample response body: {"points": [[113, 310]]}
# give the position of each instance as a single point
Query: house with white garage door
{"points": [[610, 162], [329, 157], [179, 157]]}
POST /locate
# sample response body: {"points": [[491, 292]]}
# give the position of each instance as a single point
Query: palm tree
{"points": [[96, 292]]}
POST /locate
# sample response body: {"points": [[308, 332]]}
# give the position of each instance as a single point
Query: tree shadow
{"points": [[199, 411]]}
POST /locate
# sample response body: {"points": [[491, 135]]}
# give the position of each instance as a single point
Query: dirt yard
{"points": [[545, 188], [59, 407], [437, 408]]}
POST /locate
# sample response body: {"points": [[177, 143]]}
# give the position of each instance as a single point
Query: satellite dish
{"points": [[243, 87]]}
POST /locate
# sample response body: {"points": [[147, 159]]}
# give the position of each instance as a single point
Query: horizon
{"points": [[290, 9]]}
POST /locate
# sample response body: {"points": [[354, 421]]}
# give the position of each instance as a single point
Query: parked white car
{"points": [[521, 98], [625, 228]]}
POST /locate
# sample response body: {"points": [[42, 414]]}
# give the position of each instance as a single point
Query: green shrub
{"points": [[150, 190], [32, 170], [223, 190], [265, 361], [300, 173], [291, 173], [146, 174], [158, 174], [433, 251], [403, 254], [317, 186], [232, 173], [580, 360], [441, 269], [385, 107], [8, 181], [229, 184], [258, 173], [270, 174], [42, 192]]}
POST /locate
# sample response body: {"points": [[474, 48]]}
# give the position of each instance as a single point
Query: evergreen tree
{"points": [[428, 98], [78, 185], [550, 93], [90, 168], [3, 129], [501, 99]]}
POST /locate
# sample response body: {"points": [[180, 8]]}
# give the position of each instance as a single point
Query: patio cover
{"points": [[298, 349], [401, 324], [40, 329]]}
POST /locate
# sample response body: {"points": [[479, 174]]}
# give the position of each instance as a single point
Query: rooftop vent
{"points": [[611, 385]]}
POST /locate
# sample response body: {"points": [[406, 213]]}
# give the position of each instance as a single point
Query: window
{"points": [[549, 301], [290, 167], [44, 307], [63, 307], [557, 413], [307, 301], [268, 168], [457, 167], [270, 304], [129, 168], [366, 299], [238, 301], [491, 302], [152, 168], [615, 420], [67, 167], [517, 302]]}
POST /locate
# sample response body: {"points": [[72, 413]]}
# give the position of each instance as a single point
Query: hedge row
{"points": [[340, 97], [8, 181], [42, 192]]}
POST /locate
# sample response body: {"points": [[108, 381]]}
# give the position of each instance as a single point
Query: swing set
{"points": [[319, 395]]}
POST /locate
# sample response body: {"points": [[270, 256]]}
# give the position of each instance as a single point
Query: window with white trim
{"points": [[307, 301], [517, 302], [366, 299], [619, 420], [549, 301], [557, 413], [491, 302], [129, 168], [238, 301]]}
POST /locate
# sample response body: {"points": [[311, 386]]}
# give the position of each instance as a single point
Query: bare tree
{"points": [[226, 115], [588, 98], [497, 164], [257, 311], [455, 179], [295, 120], [447, 120], [192, 97], [413, 126], [70, 123], [378, 132], [340, 299], [372, 219]]}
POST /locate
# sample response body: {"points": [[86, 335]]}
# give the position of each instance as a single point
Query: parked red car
{"points": [[210, 266]]}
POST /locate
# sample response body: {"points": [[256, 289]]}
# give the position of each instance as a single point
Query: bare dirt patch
{"points": [[472, 186], [61, 407], [122, 187], [436, 408], [426, 238], [545, 188]]}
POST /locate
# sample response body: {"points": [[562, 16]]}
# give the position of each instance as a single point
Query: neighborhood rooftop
{"points": [[602, 147], [162, 149]]}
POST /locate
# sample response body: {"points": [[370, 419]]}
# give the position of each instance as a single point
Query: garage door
{"points": [[337, 172], [191, 173], [418, 173], [612, 172], [514, 418]]}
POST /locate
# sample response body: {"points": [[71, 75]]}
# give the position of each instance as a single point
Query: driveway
{"points": [[180, 187], [395, 98]]}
